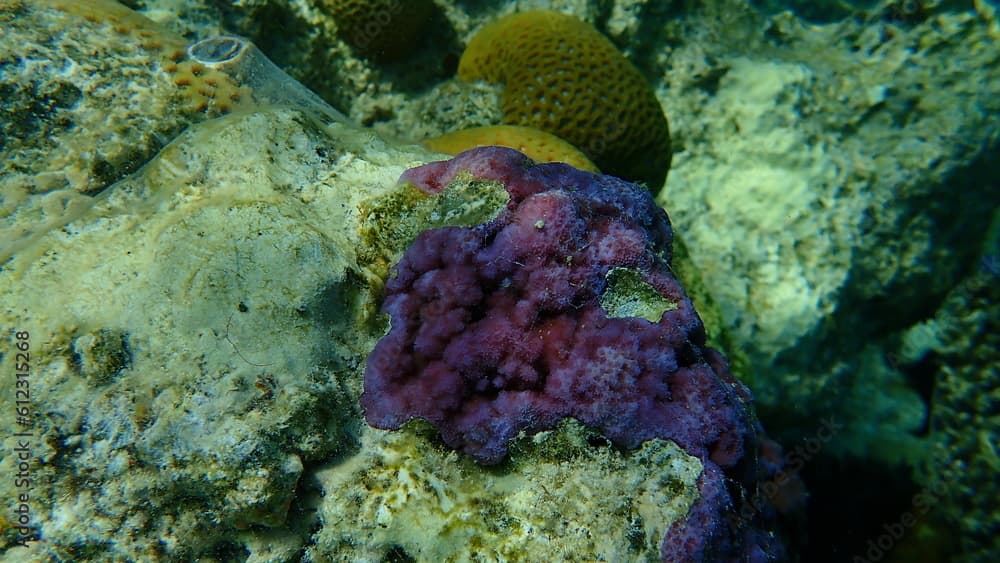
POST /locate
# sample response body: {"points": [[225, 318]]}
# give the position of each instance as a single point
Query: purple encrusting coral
{"points": [[499, 329]]}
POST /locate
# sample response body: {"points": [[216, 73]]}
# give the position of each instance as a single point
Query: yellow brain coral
{"points": [[538, 145], [562, 76]]}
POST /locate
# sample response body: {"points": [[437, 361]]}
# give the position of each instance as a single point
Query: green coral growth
{"points": [[390, 223], [628, 295]]}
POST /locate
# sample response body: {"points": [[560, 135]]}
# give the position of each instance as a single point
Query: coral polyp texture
{"points": [[562, 76], [501, 328]]}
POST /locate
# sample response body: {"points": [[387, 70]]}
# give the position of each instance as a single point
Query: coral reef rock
{"points": [[191, 398], [179, 374], [402, 496], [828, 184], [961, 345], [69, 125], [504, 328]]}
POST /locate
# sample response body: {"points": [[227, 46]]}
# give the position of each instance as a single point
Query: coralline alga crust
{"points": [[500, 329]]}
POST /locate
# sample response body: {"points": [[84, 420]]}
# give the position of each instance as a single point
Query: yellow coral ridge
{"points": [[538, 145], [562, 76]]}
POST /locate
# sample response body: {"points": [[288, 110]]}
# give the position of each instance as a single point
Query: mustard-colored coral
{"points": [[380, 29], [562, 76], [538, 145], [207, 89], [201, 89]]}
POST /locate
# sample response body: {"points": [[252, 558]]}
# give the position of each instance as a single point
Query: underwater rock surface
{"points": [[817, 190], [90, 92], [961, 344], [830, 182], [191, 398], [822, 170], [504, 329], [566, 495], [180, 375]]}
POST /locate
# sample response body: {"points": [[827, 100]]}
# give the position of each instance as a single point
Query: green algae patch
{"points": [[391, 222], [628, 295]]}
